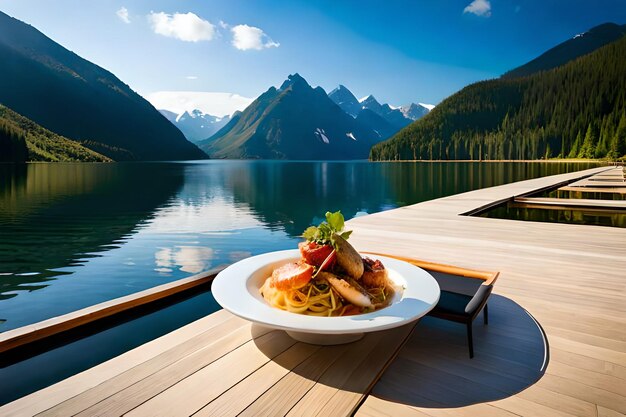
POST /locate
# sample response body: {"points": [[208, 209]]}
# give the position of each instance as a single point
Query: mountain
{"points": [[169, 115], [23, 140], [573, 48], [575, 110], [382, 118], [415, 111], [196, 125], [72, 97], [377, 123], [393, 116], [346, 100], [294, 121]]}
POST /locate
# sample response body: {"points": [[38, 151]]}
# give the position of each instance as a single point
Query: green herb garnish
{"points": [[323, 234]]}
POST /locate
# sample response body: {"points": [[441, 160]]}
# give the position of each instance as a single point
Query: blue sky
{"points": [[400, 51]]}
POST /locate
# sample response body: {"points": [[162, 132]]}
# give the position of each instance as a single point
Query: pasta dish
{"points": [[331, 278]]}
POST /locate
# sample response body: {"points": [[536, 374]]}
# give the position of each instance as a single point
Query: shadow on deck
{"points": [[433, 369]]}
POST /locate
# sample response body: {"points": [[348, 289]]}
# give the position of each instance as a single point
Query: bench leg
{"points": [[486, 313], [470, 340]]}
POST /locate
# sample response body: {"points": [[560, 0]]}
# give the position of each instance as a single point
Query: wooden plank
{"points": [[376, 407], [290, 389], [236, 399], [606, 412], [120, 392], [522, 407], [341, 388], [570, 405], [599, 184], [573, 202], [578, 389], [196, 390], [53, 395], [12, 339], [611, 190]]}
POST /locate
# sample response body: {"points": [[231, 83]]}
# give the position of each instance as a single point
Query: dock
{"points": [[555, 344]]}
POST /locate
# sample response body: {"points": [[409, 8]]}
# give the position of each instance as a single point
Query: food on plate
{"points": [[375, 274], [331, 278], [348, 258], [313, 253], [349, 289], [293, 275]]}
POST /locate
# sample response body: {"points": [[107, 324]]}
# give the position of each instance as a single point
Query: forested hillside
{"points": [[73, 97], [577, 110], [23, 140]]}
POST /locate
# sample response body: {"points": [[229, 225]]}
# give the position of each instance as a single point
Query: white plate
{"points": [[236, 289]]}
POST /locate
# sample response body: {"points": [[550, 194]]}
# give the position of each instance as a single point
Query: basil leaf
{"points": [[310, 233], [335, 220], [323, 234]]}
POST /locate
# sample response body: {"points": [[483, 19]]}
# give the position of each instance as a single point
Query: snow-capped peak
{"points": [[428, 106]]}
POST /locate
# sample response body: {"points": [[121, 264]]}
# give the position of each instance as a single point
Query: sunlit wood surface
{"points": [[222, 365], [570, 203], [570, 278]]}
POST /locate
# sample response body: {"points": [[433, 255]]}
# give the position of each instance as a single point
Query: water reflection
{"points": [[58, 216], [290, 196], [105, 230], [585, 216], [192, 259]]}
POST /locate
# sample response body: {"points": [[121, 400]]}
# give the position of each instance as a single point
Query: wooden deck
{"points": [[569, 278]]}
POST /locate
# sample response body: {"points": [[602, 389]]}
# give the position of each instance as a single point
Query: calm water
{"points": [[72, 235], [595, 217]]}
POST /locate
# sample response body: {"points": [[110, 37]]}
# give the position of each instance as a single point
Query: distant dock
{"points": [[564, 282]]}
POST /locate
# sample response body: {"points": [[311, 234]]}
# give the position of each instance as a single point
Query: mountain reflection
{"points": [[54, 216], [291, 196]]}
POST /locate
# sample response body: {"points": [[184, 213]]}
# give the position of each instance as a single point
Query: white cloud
{"points": [[479, 8], [122, 13], [216, 104], [191, 77], [183, 26], [249, 37]]}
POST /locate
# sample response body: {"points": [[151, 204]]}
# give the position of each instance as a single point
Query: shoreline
{"points": [[576, 161]]}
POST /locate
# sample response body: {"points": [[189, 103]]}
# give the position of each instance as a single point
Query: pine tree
{"points": [[587, 149], [575, 147], [618, 145]]}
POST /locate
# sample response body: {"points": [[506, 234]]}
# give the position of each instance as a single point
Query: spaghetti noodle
{"points": [[319, 298]]}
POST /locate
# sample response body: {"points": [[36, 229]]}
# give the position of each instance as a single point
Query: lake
{"points": [[73, 235]]}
